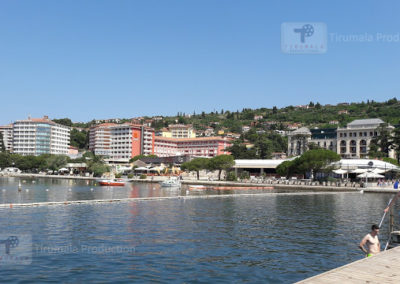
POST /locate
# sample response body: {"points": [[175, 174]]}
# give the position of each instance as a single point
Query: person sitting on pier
{"points": [[371, 241]]}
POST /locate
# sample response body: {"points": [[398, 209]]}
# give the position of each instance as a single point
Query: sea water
{"points": [[268, 238]]}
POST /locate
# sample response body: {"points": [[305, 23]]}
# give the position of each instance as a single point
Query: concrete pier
{"points": [[382, 268]]}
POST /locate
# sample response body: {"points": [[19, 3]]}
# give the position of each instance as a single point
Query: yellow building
{"points": [[179, 131]]}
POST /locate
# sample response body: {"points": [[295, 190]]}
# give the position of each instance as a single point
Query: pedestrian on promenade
{"points": [[370, 244]]}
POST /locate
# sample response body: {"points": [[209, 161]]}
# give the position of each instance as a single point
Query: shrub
{"points": [[244, 175], [231, 176], [143, 176], [119, 175], [130, 176]]}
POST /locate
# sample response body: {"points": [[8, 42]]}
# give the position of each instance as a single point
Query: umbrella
{"points": [[370, 175], [340, 171], [63, 170], [359, 171], [378, 171], [141, 169]]}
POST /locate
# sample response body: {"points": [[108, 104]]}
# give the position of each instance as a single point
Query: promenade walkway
{"points": [[382, 268]]}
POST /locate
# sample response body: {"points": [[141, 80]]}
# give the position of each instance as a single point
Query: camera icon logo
{"points": [[303, 38]]}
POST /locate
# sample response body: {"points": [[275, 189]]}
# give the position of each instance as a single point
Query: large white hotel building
{"points": [[36, 136]]}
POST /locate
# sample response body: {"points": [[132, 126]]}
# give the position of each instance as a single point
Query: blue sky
{"points": [[105, 59]]}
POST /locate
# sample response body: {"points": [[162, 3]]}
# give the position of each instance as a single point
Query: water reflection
{"points": [[53, 190], [275, 238]]}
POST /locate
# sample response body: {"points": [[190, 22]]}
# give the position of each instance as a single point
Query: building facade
{"points": [[199, 147], [100, 139], [37, 136], [7, 132], [180, 131], [352, 141], [121, 142], [298, 141]]}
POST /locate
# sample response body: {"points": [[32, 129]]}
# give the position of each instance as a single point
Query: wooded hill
{"points": [[267, 119]]}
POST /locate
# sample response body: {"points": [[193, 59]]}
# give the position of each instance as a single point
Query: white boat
{"points": [[171, 182]]}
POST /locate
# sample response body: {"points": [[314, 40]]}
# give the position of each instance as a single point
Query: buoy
{"points": [[47, 189], [11, 205], [27, 190], [4, 189], [69, 189], [91, 189]]}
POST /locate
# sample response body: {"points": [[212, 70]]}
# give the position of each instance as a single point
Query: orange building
{"points": [[121, 142]]}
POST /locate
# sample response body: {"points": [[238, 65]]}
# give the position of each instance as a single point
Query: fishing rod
{"points": [[383, 217]]}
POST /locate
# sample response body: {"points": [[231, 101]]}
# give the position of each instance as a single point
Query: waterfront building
{"points": [[121, 142], [100, 139], [352, 141], [268, 166], [198, 147], [7, 132], [130, 140], [324, 138], [36, 136]]}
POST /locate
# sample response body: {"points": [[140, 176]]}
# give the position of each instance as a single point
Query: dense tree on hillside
{"points": [[79, 139], [64, 121], [264, 144], [381, 144]]}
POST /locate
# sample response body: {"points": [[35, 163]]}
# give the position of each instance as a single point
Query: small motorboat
{"points": [[111, 182], [171, 182], [198, 187]]}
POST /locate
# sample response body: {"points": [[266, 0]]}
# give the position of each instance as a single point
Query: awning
{"points": [[340, 171]]}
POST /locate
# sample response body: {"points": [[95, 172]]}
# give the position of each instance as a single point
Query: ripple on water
{"points": [[273, 239]]}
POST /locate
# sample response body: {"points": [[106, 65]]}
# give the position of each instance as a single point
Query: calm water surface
{"points": [[46, 189], [273, 238]]}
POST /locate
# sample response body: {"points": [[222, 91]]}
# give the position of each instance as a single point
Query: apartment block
{"points": [[36, 136], [7, 132], [121, 142], [100, 139]]}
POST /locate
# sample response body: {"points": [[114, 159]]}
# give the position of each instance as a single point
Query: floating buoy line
{"points": [[183, 197]]}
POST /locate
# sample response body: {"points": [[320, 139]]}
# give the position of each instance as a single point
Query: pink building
{"points": [[199, 147]]}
